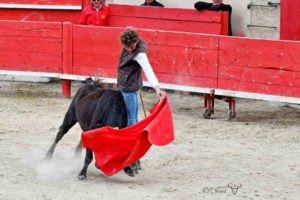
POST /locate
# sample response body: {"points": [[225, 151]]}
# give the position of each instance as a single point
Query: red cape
{"points": [[115, 149]]}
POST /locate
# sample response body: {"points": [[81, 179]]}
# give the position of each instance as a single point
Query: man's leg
{"points": [[131, 102]]}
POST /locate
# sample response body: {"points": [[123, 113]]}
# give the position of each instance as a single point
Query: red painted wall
{"points": [[172, 19], [178, 58], [43, 2], [187, 20], [31, 46], [290, 20], [259, 66]]}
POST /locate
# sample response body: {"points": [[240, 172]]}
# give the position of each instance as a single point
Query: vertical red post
{"points": [[284, 20], [225, 23], [67, 57], [289, 20]]}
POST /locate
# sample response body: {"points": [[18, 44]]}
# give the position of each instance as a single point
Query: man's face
{"points": [[96, 3], [130, 48], [217, 1], [149, 1]]}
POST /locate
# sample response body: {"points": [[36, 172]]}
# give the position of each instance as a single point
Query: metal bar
{"points": [[260, 26], [275, 5], [270, 3]]}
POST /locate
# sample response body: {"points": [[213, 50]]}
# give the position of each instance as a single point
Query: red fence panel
{"points": [[40, 15], [30, 46], [260, 66], [177, 58], [42, 2], [172, 19], [289, 20], [40, 10]]}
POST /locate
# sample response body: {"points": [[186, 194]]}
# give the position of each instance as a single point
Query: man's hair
{"points": [[129, 36]]}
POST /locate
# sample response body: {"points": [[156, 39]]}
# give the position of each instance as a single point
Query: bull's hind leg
{"points": [[69, 121], [87, 161], [78, 148]]}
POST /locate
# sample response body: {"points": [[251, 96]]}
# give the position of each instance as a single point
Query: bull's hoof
{"points": [[48, 156], [82, 177], [78, 151], [129, 171], [136, 166], [138, 163]]}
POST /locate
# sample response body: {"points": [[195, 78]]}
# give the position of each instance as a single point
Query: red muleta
{"points": [[115, 149]]}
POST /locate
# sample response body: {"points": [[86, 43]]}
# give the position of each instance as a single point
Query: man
{"points": [[133, 60], [216, 6], [94, 14], [152, 3]]}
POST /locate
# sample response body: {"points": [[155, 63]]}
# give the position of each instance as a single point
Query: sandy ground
{"points": [[258, 151]]}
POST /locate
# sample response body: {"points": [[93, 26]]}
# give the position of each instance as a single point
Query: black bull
{"points": [[92, 107]]}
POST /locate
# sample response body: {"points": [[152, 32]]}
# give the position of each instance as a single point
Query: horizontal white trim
{"points": [[257, 96], [145, 83], [230, 93], [39, 6], [107, 80], [23, 73], [181, 88]]}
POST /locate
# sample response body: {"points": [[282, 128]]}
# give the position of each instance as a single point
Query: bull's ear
{"points": [[88, 81]]}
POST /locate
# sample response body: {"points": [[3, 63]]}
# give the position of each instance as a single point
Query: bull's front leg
{"points": [[87, 161]]}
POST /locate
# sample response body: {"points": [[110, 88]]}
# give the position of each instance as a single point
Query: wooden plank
{"points": [[95, 61], [257, 96], [257, 75], [170, 25], [43, 2], [254, 53], [260, 88], [89, 39], [164, 13], [23, 61], [101, 72], [180, 39], [31, 44], [30, 29], [95, 38], [40, 15], [183, 61], [295, 30], [284, 20], [187, 80]]}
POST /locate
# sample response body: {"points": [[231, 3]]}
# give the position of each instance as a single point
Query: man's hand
{"points": [[159, 92]]}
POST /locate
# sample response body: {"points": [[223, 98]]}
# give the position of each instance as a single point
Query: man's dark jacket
{"points": [[153, 3], [129, 70], [209, 6]]}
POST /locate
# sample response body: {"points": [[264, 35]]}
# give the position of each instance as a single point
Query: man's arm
{"points": [[200, 5], [143, 60]]}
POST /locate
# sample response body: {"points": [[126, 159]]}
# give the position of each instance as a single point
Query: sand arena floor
{"points": [[258, 151]]}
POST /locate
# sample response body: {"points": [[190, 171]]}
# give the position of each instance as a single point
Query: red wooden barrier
{"points": [[172, 19], [260, 66], [42, 2], [201, 61], [290, 20], [177, 58], [30, 46], [40, 10]]}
